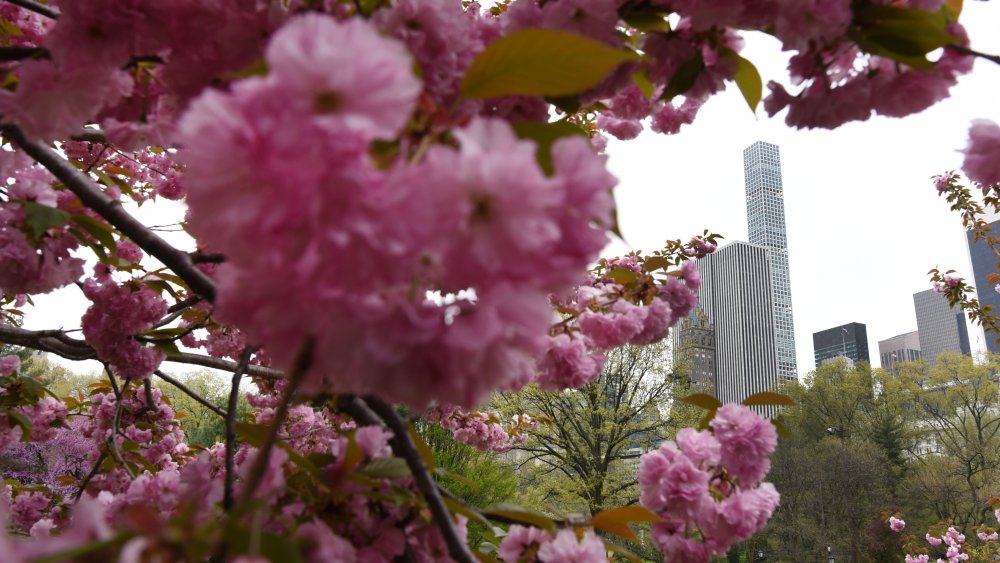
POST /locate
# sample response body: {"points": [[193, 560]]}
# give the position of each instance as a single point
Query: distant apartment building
{"points": [[694, 347], [847, 341], [735, 298], [899, 349], [984, 262], [940, 327]]}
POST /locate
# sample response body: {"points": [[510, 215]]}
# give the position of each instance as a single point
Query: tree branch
{"points": [[403, 446], [17, 53], [191, 393], [61, 344], [113, 212], [259, 467], [230, 414], [35, 7]]}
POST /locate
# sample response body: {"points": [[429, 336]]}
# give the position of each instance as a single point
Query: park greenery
{"points": [[387, 235]]}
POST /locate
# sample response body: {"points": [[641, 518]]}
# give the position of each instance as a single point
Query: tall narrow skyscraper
{"points": [[766, 222], [984, 263]]}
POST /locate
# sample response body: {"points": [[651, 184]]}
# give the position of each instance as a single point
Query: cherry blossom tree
{"points": [[388, 202]]}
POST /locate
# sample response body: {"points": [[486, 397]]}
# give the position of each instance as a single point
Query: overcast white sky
{"points": [[864, 221]]}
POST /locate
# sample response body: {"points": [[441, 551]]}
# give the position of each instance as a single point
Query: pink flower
{"points": [[700, 447], [983, 536], [935, 541], [565, 548], [569, 363], [520, 539], [982, 155], [747, 442], [922, 558], [9, 365], [622, 129], [896, 524], [316, 58], [117, 313], [323, 545]]}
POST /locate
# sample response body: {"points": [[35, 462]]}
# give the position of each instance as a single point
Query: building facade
{"points": [[694, 346], [940, 327], [766, 223], [736, 299], [898, 349], [984, 262], [848, 341]]}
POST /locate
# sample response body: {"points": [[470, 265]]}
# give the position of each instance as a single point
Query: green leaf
{"points": [[20, 420], [703, 400], [619, 550], [684, 78], [955, 6], [903, 34], [253, 434], [41, 218], [768, 398], [641, 79], [647, 21], [616, 520], [656, 263], [540, 62], [425, 451], [545, 135], [169, 347], [519, 514], [442, 472], [780, 428], [707, 419], [622, 275], [101, 231], [747, 79], [386, 468]]}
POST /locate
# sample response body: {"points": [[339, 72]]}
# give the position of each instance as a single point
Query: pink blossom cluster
{"points": [[91, 43], [483, 430], [951, 544], [117, 314], [982, 155], [9, 365], [948, 281], [707, 486], [291, 148], [527, 544], [604, 318], [33, 262], [45, 417], [43, 462], [145, 171]]}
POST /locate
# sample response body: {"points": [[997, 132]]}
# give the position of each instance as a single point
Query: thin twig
{"points": [[17, 53], [234, 396], [116, 421], [90, 476], [404, 447], [199, 257], [113, 212], [39, 9], [972, 52], [191, 393], [302, 363]]}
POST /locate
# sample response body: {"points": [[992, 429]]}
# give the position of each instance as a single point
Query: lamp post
{"points": [[829, 555]]}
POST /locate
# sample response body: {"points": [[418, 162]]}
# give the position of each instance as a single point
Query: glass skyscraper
{"points": [[984, 263], [766, 222]]}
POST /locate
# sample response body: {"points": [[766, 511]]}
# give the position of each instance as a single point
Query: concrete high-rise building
{"points": [[984, 262], [849, 341], [766, 222], [898, 349], [940, 327], [736, 298], [694, 345]]}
